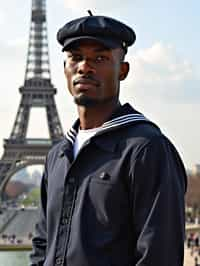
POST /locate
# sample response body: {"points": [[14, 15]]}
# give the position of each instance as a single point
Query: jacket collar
{"points": [[123, 116]]}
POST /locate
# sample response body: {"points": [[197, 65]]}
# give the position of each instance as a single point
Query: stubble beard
{"points": [[83, 100]]}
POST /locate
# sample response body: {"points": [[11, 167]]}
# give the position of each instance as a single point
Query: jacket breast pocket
{"points": [[108, 200]]}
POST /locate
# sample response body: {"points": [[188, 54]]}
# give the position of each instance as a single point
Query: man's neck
{"points": [[92, 117]]}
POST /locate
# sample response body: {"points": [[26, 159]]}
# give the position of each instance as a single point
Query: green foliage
{"points": [[32, 198]]}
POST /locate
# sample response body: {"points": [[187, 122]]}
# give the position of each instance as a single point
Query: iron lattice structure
{"points": [[37, 91]]}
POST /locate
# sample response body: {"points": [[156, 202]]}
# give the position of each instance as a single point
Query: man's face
{"points": [[93, 72]]}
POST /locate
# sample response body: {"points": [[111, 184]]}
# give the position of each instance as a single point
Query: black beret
{"points": [[110, 32]]}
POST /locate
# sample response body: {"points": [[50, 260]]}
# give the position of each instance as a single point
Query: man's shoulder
{"points": [[140, 133], [131, 127], [133, 122], [144, 129]]}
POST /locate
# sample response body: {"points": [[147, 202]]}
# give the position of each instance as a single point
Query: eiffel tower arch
{"points": [[37, 91]]}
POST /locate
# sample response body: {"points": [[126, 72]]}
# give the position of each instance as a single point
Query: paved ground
{"points": [[4, 245], [189, 260]]}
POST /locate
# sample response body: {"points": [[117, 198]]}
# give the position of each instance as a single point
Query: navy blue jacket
{"points": [[119, 203]]}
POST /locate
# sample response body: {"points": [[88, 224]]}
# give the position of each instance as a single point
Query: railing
{"points": [[28, 141]]}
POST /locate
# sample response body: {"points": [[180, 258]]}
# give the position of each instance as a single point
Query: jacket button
{"points": [[59, 261], [104, 175]]}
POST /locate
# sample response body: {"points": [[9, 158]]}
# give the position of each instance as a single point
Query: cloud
{"points": [[2, 18], [160, 73]]}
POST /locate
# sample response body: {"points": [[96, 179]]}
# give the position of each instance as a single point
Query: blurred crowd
{"points": [[13, 239], [193, 244]]}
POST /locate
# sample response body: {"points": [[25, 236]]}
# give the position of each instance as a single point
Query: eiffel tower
{"points": [[37, 91]]}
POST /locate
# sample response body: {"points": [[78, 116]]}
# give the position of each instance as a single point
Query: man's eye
{"points": [[101, 59], [76, 57]]}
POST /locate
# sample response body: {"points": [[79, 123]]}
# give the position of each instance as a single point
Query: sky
{"points": [[164, 78]]}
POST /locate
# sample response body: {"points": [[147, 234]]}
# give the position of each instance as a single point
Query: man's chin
{"points": [[86, 101]]}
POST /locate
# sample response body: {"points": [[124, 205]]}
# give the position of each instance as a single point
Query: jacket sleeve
{"points": [[158, 186], [39, 242]]}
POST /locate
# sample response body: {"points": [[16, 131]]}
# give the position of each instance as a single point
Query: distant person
{"points": [[196, 240], [196, 261], [30, 235], [112, 192]]}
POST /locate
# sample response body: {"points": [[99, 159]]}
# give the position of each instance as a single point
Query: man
{"points": [[112, 193]]}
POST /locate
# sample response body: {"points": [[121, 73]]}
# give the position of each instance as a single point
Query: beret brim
{"points": [[107, 42]]}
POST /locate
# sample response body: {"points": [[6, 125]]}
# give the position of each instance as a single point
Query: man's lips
{"points": [[85, 82]]}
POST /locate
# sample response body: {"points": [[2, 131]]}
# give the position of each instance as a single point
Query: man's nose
{"points": [[86, 67]]}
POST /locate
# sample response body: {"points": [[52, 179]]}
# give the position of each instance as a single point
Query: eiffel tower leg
{"points": [[55, 128], [4, 170], [21, 122], [7, 165]]}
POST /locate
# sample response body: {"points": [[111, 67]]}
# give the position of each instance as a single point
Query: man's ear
{"points": [[124, 69]]}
